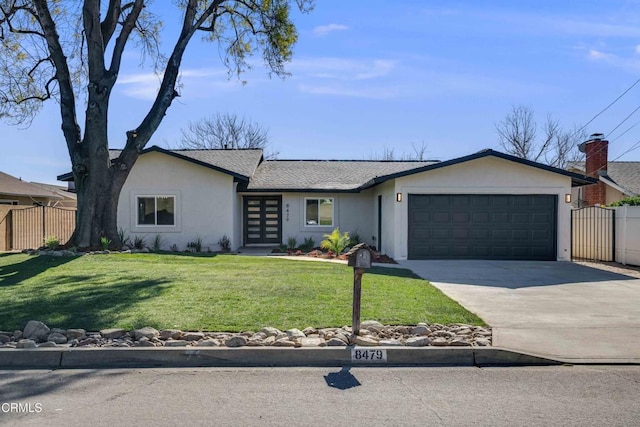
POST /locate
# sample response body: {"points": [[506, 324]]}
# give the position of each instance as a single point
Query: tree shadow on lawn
{"points": [[82, 304], [14, 274], [393, 272]]}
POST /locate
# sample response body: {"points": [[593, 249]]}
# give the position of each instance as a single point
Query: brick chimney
{"points": [[596, 151]]}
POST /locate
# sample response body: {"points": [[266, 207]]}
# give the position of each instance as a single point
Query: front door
{"points": [[262, 219]]}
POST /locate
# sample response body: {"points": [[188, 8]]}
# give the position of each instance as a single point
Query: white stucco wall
{"points": [[487, 175], [628, 235], [206, 202], [353, 213]]}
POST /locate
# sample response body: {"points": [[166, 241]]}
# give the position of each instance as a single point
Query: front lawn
{"points": [[208, 293]]}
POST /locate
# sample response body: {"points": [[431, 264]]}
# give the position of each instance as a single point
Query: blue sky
{"points": [[370, 75]]}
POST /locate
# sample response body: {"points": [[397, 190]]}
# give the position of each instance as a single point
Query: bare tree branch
{"points": [[226, 132], [517, 136]]}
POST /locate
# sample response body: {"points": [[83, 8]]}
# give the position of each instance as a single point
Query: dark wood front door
{"points": [[262, 219]]}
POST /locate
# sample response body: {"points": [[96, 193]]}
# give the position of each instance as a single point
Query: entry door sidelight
{"points": [[262, 219]]}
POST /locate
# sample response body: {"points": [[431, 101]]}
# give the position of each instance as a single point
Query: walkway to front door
{"points": [[262, 219]]}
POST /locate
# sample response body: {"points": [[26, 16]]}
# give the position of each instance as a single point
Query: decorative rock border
{"points": [[372, 333], [70, 253]]}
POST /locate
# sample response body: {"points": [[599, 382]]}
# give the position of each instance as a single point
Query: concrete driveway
{"points": [[559, 309]]}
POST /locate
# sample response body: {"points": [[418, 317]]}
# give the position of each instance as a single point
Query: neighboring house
{"points": [[616, 180], [487, 205], [14, 191], [68, 199]]}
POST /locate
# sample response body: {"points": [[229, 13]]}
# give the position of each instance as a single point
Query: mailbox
{"points": [[360, 256]]}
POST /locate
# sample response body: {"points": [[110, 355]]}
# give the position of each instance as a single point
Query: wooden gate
{"points": [[30, 227], [593, 234]]}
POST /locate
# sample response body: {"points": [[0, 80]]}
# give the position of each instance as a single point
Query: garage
{"points": [[482, 226]]}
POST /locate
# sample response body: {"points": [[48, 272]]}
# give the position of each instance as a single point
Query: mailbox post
{"points": [[359, 257]]}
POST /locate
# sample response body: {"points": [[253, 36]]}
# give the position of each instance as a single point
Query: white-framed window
{"points": [[318, 212], [156, 210]]}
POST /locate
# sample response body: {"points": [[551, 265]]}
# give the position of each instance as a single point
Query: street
{"points": [[530, 396]]}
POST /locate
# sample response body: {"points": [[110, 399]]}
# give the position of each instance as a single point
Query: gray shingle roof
{"points": [[318, 175], [11, 186], [241, 162], [625, 174]]}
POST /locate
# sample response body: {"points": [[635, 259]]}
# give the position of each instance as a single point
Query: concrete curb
{"points": [[104, 358]]}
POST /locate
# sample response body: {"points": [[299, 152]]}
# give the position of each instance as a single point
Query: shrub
{"points": [[196, 245], [139, 243], [225, 243], [308, 244], [174, 248], [157, 243], [104, 242], [292, 243], [354, 239], [52, 242], [631, 201], [124, 238], [335, 242]]}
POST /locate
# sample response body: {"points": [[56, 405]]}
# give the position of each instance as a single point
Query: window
{"points": [[156, 210], [318, 212], [8, 202]]}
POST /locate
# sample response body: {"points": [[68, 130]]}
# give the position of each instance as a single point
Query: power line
{"points": [[632, 148], [607, 107], [625, 119]]}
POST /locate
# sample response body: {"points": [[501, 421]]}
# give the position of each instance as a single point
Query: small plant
{"points": [[104, 242], [52, 242], [139, 243], [157, 243], [283, 248], [124, 238], [225, 243], [335, 242], [354, 239], [174, 248], [292, 243], [196, 245], [308, 244]]}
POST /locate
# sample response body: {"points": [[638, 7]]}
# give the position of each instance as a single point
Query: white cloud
{"points": [[323, 30], [371, 92], [146, 85], [142, 86], [631, 63], [342, 69], [638, 48], [599, 55]]}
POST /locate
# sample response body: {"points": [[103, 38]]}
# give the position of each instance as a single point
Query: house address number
{"points": [[368, 355]]}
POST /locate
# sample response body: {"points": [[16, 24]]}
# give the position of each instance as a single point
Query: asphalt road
{"points": [[561, 395]]}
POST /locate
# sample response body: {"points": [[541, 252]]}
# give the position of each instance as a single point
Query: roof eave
{"points": [[69, 175], [576, 179], [618, 187]]}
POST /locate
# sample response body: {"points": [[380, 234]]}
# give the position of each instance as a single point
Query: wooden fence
{"points": [[28, 227]]}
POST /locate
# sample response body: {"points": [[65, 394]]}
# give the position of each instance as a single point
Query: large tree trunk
{"points": [[97, 211], [99, 181]]}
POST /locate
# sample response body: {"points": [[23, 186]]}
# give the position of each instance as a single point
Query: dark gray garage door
{"points": [[470, 226]]}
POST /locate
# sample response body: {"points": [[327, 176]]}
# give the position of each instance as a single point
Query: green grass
{"points": [[208, 293]]}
